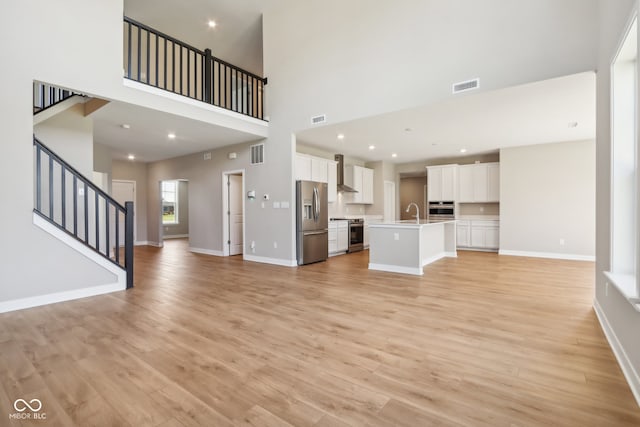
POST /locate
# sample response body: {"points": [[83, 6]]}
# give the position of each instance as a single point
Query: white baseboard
{"points": [[396, 269], [552, 255], [433, 258], [22, 303], [175, 236], [267, 260], [206, 251], [451, 254], [623, 360], [148, 243]]}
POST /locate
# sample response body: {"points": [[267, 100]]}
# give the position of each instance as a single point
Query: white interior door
{"points": [[236, 215], [389, 201], [123, 191]]}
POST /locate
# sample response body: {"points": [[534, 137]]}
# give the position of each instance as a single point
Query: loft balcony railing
{"points": [[161, 61]]}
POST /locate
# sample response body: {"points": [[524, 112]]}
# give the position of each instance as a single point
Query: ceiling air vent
{"points": [[316, 120], [257, 154], [465, 86]]}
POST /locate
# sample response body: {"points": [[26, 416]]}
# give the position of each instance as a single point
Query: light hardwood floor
{"points": [[481, 340]]}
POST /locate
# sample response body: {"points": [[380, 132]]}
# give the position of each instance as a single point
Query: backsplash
{"points": [[340, 209], [479, 209]]}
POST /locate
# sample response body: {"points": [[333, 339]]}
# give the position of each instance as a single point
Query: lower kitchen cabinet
{"points": [[338, 237], [478, 234]]}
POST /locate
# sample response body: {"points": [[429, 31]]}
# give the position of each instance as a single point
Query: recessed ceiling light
{"points": [[212, 24], [573, 124], [340, 136], [408, 129], [131, 157], [463, 150], [372, 147], [125, 126], [434, 143], [394, 155], [171, 136]]}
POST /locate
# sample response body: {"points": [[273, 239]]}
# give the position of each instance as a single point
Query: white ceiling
{"points": [[237, 37], [147, 136], [482, 122]]}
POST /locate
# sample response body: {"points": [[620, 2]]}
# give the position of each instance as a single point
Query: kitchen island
{"points": [[407, 246]]}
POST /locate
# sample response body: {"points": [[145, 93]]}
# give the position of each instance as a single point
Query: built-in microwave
{"points": [[442, 210]]}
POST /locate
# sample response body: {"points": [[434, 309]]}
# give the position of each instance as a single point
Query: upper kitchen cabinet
{"points": [[311, 168], [442, 183], [319, 169], [303, 167], [361, 180], [479, 183]]}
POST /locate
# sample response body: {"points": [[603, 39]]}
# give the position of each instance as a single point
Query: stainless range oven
{"points": [[356, 235], [442, 210]]}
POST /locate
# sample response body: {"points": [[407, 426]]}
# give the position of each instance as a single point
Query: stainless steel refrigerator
{"points": [[312, 222]]}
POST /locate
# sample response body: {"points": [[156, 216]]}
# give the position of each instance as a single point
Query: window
{"points": [[624, 176], [170, 202]]}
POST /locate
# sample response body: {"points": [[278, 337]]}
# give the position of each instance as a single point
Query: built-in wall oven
{"points": [[356, 235], [442, 210]]}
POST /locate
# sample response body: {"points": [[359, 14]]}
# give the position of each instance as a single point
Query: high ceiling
{"points": [[236, 38], [556, 110]]}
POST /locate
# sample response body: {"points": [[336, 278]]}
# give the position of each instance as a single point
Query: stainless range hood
{"points": [[342, 188]]}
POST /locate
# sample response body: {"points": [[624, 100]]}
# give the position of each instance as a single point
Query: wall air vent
{"points": [[316, 120], [257, 154], [465, 86]]}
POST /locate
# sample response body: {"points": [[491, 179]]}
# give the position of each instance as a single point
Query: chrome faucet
{"points": [[417, 211]]}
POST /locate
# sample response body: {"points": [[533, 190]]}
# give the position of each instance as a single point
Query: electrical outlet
{"points": [[262, 205], [396, 236], [481, 208], [606, 289], [275, 245], [276, 205], [561, 242], [207, 156]]}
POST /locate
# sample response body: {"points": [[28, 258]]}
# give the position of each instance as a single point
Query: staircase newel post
{"points": [[128, 243], [208, 60]]}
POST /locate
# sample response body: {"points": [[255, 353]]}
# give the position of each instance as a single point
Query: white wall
{"points": [[547, 193], [70, 135], [621, 321]]}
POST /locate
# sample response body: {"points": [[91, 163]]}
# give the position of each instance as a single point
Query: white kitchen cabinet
{"points": [[465, 183], [338, 237], [332, 181], [311, 168], [361, 180], [343, 236], [333, 237], [442, 183], [319, 169], [479, 183], [478, 234], [462, 234], [493, 179], [303, 167]]}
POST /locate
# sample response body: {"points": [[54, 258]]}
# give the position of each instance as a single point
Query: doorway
{"points": [[233, 212], [124, 191], [174, 196]]}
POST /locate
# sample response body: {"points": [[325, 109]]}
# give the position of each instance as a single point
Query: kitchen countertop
{"points": [[409, 223], [480, 217]]}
